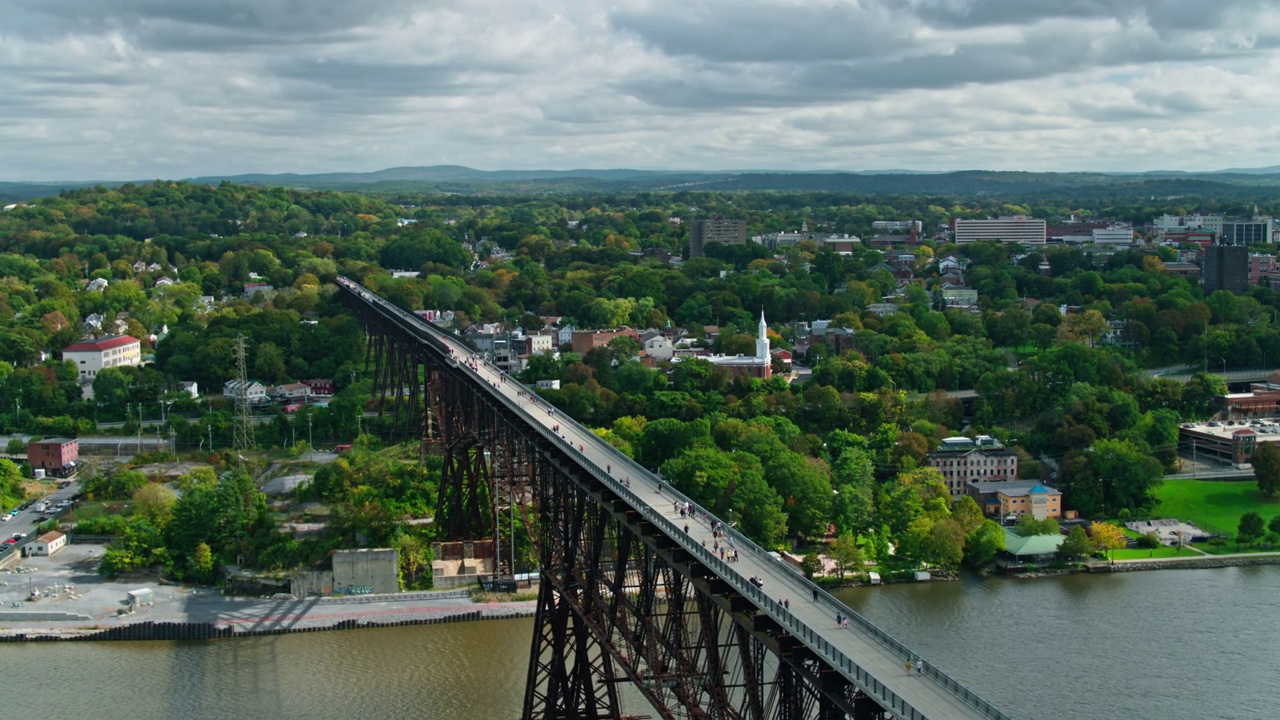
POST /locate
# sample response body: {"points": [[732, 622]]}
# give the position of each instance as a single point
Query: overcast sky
{"points": [[113, 89]]}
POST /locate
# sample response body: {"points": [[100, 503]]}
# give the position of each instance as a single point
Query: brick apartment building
{"points": [[963, 460]]}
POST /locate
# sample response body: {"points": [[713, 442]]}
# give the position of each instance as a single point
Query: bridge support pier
{"points": [[571, 676]]}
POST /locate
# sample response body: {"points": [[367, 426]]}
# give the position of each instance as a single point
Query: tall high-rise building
{"points": [[730, 231], [1018, 228], [1225, 268]]}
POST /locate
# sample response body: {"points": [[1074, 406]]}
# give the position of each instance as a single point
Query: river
{"points": [[1168, 645]]}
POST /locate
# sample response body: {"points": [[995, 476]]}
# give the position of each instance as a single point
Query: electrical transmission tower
{"points": [[242, 431]]}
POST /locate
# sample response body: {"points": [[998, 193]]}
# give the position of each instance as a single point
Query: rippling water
{"points": [[1166, 645], [1170, 645], [449, 672]]}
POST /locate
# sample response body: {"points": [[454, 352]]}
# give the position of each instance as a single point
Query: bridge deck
{"points": [[870, 657]]}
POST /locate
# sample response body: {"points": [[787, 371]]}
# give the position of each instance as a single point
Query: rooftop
{"points": [[1008, 487], [1019, 546], [960, 445], [1231, 428], [1036, 489], [106, 342]]}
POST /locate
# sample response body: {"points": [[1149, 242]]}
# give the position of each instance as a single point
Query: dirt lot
{"points": [[69, 582]]}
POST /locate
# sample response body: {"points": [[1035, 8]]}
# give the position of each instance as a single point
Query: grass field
{"points": [[1142, 553], [1262, 546], [1213, 505], [92, 509]]}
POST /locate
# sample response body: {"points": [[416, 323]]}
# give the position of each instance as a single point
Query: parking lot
{"points": [[68, 582]]}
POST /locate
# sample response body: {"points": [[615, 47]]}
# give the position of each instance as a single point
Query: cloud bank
{"points": [[175, 88]]}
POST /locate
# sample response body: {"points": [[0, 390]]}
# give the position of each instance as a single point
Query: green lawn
{"points": [[1142, 553], [1213, 505], [92, 509], [1230, 548]]}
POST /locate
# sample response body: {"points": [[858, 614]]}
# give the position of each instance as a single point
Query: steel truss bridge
{"points": [[630, 593]]}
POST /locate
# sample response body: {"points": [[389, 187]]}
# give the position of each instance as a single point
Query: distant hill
{"points": [[11, 192], [446, 173], [1238, 184]]}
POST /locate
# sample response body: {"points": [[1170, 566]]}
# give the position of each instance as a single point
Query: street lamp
{"points": [[1224, 367]]}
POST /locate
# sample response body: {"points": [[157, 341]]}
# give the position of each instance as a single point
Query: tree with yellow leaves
{"points": [[1107, 537]]}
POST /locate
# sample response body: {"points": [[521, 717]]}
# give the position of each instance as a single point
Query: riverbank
{"points": [[206, 617], [77, 603], [1199, 562]]}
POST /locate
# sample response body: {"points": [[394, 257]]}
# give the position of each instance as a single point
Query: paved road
{"points": [[26, 520]]}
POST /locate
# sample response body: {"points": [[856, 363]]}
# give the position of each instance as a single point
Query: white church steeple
{"points": [[762, 341]]}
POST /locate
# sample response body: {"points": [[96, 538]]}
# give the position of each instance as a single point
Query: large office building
{"points": [[1256, 231], [730, 231], [897, 226], [1225, 268], [1183, 223], [1018, 228], [1118, 234]]}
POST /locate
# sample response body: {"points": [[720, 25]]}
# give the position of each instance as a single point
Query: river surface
{"points": [[1168, 645]]}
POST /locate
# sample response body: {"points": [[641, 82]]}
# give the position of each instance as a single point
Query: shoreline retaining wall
{"points": [[1204, 561], [149, 630]]}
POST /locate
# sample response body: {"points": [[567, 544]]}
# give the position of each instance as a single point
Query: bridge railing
{"points": [[814, 639]]}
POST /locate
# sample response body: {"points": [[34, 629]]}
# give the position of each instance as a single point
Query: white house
{"points": [[93, 356], [255, 393], [48, 544], [564, 335], [190, 387], [660, 347], [96, 285], [291, 392]]}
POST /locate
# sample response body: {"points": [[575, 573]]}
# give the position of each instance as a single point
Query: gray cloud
{"points": [[264, 19], [176, 87]]}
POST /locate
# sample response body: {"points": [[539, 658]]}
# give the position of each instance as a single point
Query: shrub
{"points": [[1149, 541]]}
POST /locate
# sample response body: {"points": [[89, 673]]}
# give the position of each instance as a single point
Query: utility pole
{"points": [[511, 490], [310, 447], [139, 427], [210, 426], [242, 435]]}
